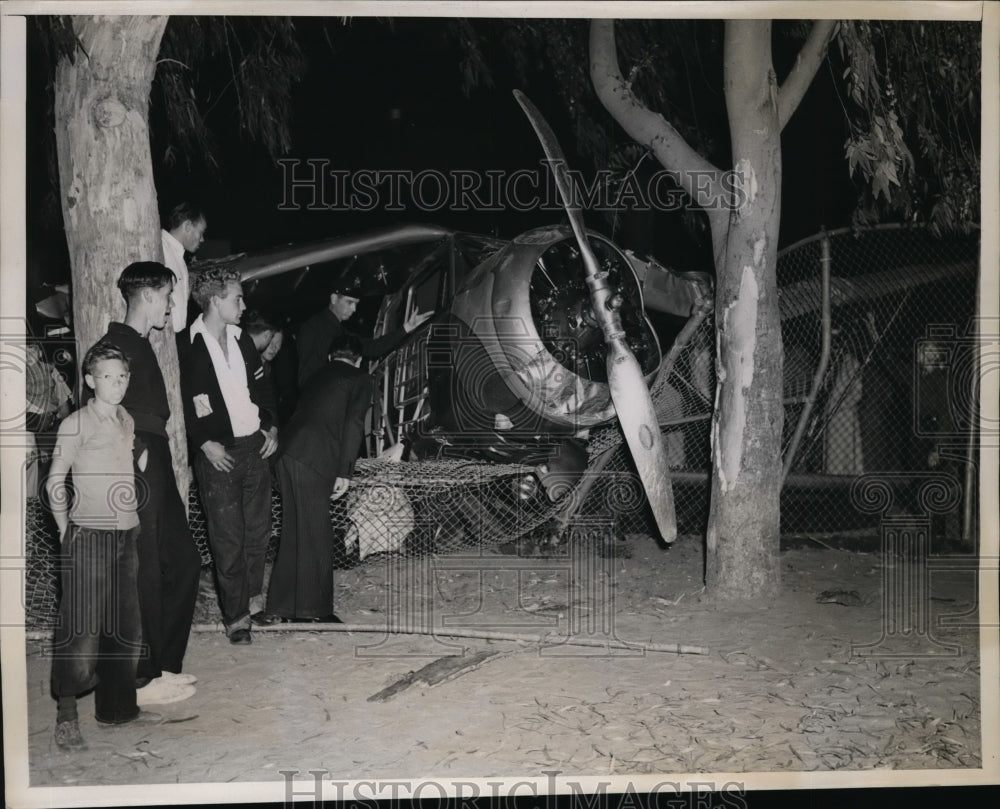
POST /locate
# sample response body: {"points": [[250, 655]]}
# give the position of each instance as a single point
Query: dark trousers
{"points": [[169, 563], [302, 578], [97, 639], [237, 506]]}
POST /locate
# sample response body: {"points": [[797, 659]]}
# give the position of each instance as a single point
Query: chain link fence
{"points": [[898, 395], [894, 393], [886, 384]]}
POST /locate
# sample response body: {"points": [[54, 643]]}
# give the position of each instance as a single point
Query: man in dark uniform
{"points": [[169, 562], [319, 331], [320, 446]]}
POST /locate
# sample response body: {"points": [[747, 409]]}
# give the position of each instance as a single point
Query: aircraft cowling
{"points": [[529, 309]]}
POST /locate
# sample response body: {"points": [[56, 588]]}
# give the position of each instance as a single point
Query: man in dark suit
{"points": [[320, 446]]}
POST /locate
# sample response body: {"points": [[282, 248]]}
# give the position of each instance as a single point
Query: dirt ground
{"points": [[784, 685]]}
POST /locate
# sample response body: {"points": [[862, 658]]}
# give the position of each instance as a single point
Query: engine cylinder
{"points": [[531, 309]]}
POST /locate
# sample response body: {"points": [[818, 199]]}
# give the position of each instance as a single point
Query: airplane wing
{"points": [[803, 297], [669, 291], [265, 263], [676, 293]]}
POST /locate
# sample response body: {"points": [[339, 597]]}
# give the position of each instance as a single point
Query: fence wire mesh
{"points": [[895, 396], [899, 392]]}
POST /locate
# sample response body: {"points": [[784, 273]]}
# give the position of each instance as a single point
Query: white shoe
{"points": [[177, 679], [159, 692]]}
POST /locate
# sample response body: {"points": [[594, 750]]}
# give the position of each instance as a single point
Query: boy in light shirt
{"points": [[98, 635]]}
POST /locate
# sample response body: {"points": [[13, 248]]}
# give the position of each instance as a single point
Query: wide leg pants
{"points": [[97, 639], [169, 563], [302, 578]]}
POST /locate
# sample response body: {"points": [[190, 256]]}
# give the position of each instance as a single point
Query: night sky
{"points": [[389, 97]]}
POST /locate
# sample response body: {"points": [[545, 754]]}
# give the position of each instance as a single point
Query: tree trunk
{"points": [[106, 182], [165, 345], [744, 520]]}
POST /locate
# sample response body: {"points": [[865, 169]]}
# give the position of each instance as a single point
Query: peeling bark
{"points": [[106, 180], [744, 518], [740, 326], [744, 521]]}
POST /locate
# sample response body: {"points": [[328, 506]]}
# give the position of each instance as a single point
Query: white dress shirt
{"points": [[173, 259], [232, 376]]}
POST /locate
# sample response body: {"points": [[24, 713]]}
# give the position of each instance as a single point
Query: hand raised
{"points": [[415, 319]]}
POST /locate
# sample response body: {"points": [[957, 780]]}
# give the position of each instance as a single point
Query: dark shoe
{"points": [[140, 718], [266, 619], [241, 637], [318, 619], [68, 736]]}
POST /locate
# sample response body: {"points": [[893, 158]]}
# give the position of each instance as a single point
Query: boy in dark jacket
{"points": [[230, 416], [169, 562]]}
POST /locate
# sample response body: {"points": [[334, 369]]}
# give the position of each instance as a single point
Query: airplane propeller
{"points": [[629, 393]]}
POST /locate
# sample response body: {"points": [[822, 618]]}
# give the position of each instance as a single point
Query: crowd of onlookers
{"points": [[261, 408], [130, 569]]}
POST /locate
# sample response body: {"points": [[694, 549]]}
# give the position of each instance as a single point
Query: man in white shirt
{"points": [[229, 413], [183, 230]]}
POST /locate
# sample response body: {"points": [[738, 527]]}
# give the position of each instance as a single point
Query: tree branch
{"points": [[806, 64], [696, 175]]}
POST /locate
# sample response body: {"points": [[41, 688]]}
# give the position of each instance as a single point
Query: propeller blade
{"points": [[629, 393], [642, 433]]}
